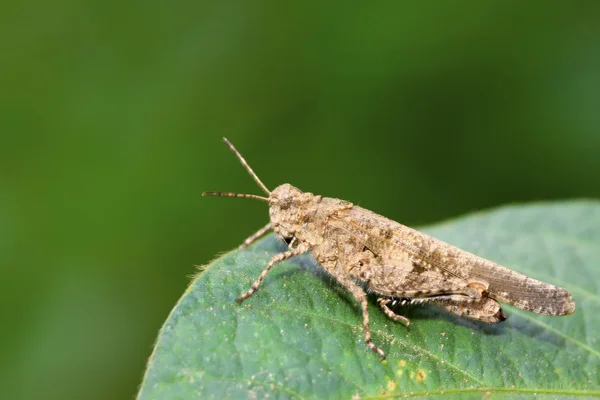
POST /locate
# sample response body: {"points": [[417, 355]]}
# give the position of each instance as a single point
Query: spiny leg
{"points": [[277, 258], [256, 236], [486, 310], [383, 302], [360, 295]]}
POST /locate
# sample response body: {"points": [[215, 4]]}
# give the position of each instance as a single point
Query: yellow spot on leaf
{"points": [[391, 385], [421, 375], [402, 364]]}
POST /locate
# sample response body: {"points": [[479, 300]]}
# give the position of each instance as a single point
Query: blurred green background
{"points": [[111, 119]]}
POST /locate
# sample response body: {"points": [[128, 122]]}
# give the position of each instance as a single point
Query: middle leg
{"points": [[360, 295]]}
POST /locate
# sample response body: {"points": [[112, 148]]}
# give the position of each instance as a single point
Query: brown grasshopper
{"points": [[362, 249]]}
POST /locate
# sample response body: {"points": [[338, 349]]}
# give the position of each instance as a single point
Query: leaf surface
{"points": [[300, 336]]}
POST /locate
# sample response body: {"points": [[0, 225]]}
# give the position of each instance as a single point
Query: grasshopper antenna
{"points": [[245, 164], [230, 194], [250, 171]]}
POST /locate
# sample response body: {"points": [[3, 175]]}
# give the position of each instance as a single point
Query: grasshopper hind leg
{"points": [[485, 310], [383, 303]]}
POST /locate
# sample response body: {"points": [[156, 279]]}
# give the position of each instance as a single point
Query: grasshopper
{"points": [[364, 250]]}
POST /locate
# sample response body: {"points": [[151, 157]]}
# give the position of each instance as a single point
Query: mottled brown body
{"points": [[363, 249]]}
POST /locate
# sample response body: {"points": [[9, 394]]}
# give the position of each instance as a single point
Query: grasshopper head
{"points": [[292, 213]]}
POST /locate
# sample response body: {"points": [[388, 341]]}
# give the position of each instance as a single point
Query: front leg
{"points": [[303, 247], [256, 236]]}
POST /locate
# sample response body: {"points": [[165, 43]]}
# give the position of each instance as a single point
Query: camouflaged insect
{"points": [[361, 249]]}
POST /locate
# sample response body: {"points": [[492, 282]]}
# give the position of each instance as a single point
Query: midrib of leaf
{"points": [[587, 393]]}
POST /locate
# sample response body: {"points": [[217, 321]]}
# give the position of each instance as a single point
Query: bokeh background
{"points": [[111, 119]]}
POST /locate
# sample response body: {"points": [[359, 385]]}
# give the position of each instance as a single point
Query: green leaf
{"points": [[300, 335]]}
